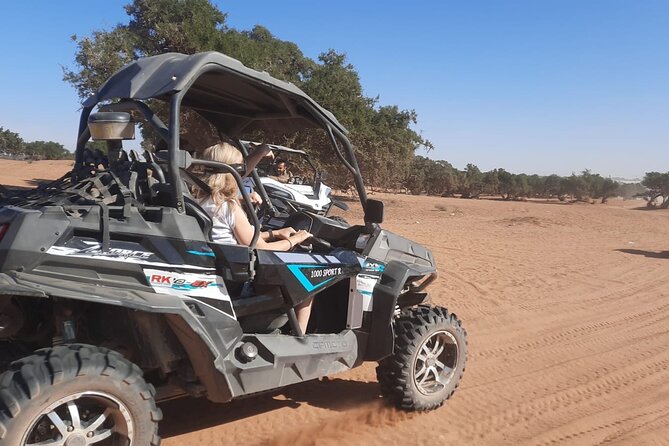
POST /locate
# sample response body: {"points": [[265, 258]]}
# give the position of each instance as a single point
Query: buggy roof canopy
{"points": [[233, 97]]}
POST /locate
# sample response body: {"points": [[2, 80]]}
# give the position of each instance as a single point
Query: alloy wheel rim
{"points": [[82, 419], [435, 362]]}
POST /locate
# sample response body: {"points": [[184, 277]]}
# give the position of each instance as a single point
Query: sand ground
{"points": [[568, 320]]}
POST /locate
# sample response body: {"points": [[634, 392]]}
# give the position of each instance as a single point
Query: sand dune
{"points": [[567, 311]]}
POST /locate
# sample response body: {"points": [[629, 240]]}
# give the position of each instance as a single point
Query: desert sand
{"points": [[567, 311]]}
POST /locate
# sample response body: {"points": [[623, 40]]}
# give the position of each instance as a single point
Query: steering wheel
{"points": [[314, 242], [320, 243]]}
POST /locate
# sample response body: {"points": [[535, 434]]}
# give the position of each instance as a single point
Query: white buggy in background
{"points": [[300, 193]]}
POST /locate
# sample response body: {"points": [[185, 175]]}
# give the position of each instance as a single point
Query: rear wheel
{"points": [[429, 359], [76, 395]]}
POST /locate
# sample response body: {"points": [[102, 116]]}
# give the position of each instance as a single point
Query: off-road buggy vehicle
{"points": [[113, 296], [304, 191]]}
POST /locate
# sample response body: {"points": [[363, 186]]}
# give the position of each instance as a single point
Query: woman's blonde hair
{"points": [[223, 186]]}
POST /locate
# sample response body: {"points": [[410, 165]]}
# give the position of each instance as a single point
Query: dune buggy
{"points": [[113, 296]]}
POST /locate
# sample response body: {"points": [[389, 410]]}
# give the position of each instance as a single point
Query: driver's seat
{"points": [[203, 219]]}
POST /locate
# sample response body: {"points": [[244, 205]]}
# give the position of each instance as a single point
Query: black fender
{"points": [[386, 292], [207, 334]]}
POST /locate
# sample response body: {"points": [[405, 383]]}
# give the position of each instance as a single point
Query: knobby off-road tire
{"points": [[429, 359], [77, 395]]}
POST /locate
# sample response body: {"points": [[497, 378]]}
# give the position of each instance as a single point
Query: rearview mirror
{"points": [[374, 211], [111, 126]]}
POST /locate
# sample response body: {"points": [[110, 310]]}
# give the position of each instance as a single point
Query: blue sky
{"points": [[550, 86]]}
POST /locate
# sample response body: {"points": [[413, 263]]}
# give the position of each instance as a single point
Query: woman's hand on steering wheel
{"points": [[283, 233], [297, 238], [255, 197], [310, 243]]}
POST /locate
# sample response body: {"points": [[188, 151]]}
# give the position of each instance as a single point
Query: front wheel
{"points": [[428, 361], [76, 395]]}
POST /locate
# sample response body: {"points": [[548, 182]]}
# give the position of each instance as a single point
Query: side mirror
{"points": [[374, 211]]}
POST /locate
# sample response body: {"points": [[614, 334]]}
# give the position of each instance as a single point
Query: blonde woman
{"points": [[231, 226]]}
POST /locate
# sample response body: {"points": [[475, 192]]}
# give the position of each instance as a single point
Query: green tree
{"points": [[575, 186], [507, 184], [658, 187], [164, 26], [442, 178], [11, 144], [608, 189], [47, 150], [522, 186], [535, 185], [472, 182], [552, 187], [491, 182], [416, 178], [259, 49], [382, 135], [155, 27]]}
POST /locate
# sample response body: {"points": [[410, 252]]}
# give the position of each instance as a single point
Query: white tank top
{"points": [[224, 222]]}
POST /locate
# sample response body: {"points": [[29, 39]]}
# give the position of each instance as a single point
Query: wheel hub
{"points": [[76, 440], [83, 419], [435, 362]]}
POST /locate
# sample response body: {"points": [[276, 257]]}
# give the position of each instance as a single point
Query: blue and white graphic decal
{"points": [[373, 266], [296, 257], [127, 252], [313, 276], [202, 253]]}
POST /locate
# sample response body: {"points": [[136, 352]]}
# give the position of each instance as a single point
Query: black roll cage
{"points": [[170, 134]]}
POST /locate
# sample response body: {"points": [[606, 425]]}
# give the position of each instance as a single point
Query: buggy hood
{"points": [[232, 96]]}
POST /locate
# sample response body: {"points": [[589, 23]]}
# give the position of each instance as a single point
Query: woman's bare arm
{"points": [[244, 234], [255, 156]]}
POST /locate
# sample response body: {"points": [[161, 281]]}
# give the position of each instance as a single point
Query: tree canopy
{"points": [[441, 178], [382, 135], [11, 143], [13, 146], [657, 184]]}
